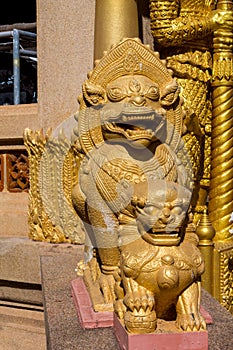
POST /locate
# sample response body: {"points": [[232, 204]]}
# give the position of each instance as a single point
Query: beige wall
{"points": [[13, 214], [65, 54], [65, 43], [13, 121]]}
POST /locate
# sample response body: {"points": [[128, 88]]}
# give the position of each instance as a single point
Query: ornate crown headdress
{"points": [[131, 57]]}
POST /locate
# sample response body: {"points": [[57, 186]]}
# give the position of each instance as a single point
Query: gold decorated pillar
{"points": [[206, 232], [221, 186], [114, 20]]}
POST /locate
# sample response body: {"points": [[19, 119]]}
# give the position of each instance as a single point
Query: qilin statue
{"points": [[183, 32], [134, 191]]}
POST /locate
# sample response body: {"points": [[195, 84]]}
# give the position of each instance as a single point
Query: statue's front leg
{"points": [[100, 269], [140, 315], [188, 309]]}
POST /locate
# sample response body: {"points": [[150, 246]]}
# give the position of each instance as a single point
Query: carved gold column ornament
{"points": [[221, 189], [206, 232], [221, 186], [183, 32], [223, 273], [52, 168], [114, 20], [183, 35]]}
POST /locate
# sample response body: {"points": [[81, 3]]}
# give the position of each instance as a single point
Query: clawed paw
{"points": [[138, 300], [190, 322], [120, 308], [107, 286]]}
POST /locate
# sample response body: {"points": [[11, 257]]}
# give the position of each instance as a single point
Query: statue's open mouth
{"points": [[162, 238], [158, 231], [136, 123]]}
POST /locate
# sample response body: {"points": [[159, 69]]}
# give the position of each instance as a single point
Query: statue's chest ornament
{"points": [[168, 266], [135, 171]]}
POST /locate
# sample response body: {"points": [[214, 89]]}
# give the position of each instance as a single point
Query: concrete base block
{"points": [[87, 316], [166, 337], [161, 340], [20, 274], [91, 319], [63, 328], [22, 327]]}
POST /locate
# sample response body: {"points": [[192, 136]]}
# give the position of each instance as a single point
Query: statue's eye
{"points": [[152, 92], [115, 94]]}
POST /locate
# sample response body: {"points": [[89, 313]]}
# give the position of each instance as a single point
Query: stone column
{"points": [[114, 20]]}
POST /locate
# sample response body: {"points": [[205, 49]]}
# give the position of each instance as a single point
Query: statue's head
{"points": [[136, 95], [163, 214]]}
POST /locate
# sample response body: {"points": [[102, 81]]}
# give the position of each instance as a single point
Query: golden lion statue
{"points": [[134, 192]]}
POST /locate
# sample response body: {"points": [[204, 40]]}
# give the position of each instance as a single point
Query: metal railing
{"points": [[17, 51]]}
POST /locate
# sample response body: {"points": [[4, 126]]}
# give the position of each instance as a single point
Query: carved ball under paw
{"points": [[138, 322]]}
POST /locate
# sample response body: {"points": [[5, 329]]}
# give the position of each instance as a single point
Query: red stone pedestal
{"points": [[91, 319], [87, 316], [160, 341], [165, 338]]}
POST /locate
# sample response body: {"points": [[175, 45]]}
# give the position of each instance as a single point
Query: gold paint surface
{"points": [[133, 193], [183, 35], [221, 190], [187, 33], [223, 276], [114, 20], [51, 214]]}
